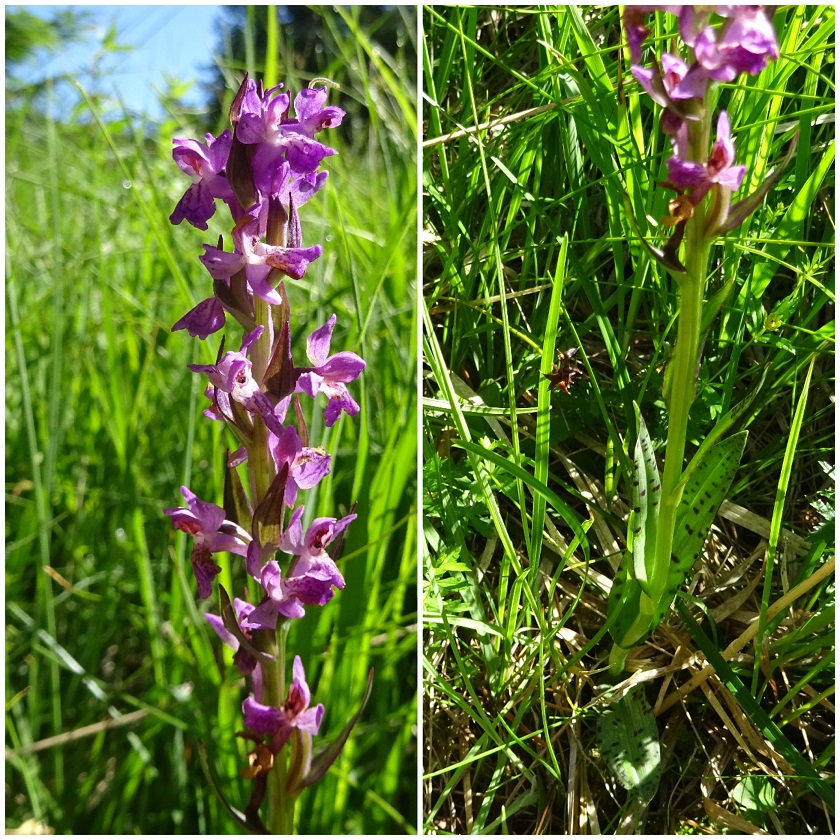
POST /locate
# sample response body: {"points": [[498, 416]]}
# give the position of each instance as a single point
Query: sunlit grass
{"points": [[103, 424], [525, 490]]}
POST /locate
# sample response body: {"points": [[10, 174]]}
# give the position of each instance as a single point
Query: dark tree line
{"points": [[308, 30]]}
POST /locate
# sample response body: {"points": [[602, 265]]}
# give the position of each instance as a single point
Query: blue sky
{"points": [[175, 40]]}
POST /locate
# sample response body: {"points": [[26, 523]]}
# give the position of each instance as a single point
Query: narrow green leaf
{"points": [[666, 256], [543, 433], [646, 495], [823, 788]]}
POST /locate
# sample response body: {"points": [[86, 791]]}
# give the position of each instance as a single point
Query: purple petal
{"points": [[342, 367], [203, 320], [211, 516], [305, 155], [219, 149], [732, 177], [285, 447], [191, 157], [196, 206], [251, 128], [309, 383], [226, 542], [253, 561], [314, 589], [311, 466], [318, 343], [304, 187], [264, 616], [222, 632], [693, 85], [277, 108], [299, 680], [685, 174], [221, 264], [644, 76], [257, 276], [292, 540], [309, 101], [340, 400], [212, 373], [260, 719], [250, 339], [205, 570], [310, 720], [292, 261]]}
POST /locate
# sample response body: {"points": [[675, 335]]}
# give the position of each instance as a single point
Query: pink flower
{"points": [[296, 713], [212, 533], [718, 169], [204, 164], [329, 374]]}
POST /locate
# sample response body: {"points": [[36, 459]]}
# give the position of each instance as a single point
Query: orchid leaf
{"points": [[627, 628], [666, 256], [702, 495], [236, 503], [250, 822], [628, 738], [632, 622], [647, 490], [325, 759], [229, 619], [724, 423]]}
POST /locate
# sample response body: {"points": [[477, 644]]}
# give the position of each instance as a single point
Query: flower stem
{"points": [[261, 471], [260, 465], [281, 808], [684, 362], [280, 812]]}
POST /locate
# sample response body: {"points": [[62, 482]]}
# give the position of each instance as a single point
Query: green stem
{"points": [[684, 364], [260, 464], [261, 470], [280, 809]]}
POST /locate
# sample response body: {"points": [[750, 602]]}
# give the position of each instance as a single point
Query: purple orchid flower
{"points": [[311, 114], [267, 124], [203, 320], [265, 169], [296, 713], [245, 662], [718, 169], [635, 29], [216, 411], [329, 374], [743, 45], [203, 163], [258, 259], [233, 376], [307, 465], [279, 181], [311, 576], [212, 533]]}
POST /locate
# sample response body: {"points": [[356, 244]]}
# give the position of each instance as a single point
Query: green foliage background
{"points": [[103, 424], [533, 128]]}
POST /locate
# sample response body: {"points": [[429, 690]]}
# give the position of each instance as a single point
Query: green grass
{"points": [[103, 424], [529, 253]]}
